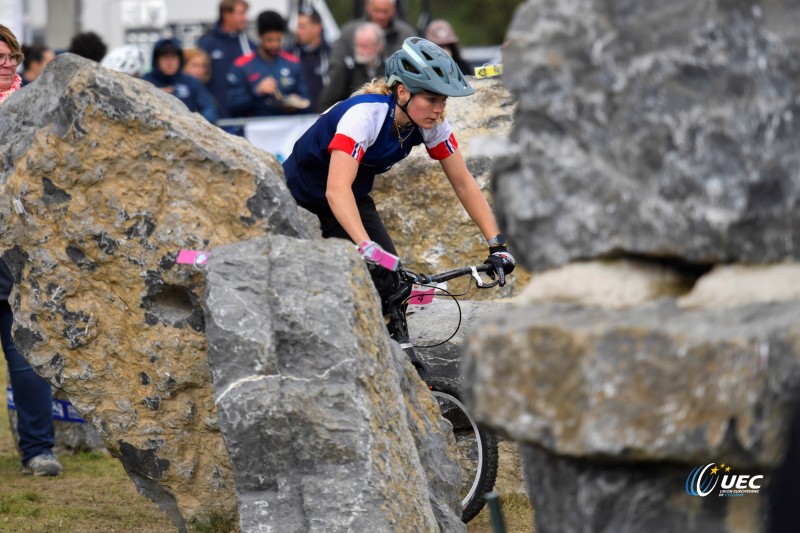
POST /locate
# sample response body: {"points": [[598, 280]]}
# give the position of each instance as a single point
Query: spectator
{"points": [[268, 81], [382, 13], [365, 64], [32, 394], [440, 32], [224, 44], [37, 56], [127, 59], [88, 45], [197, 64], [166, 75], [313, 51]]}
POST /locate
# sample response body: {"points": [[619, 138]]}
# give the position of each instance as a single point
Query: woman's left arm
{"points": [[469, 193]]}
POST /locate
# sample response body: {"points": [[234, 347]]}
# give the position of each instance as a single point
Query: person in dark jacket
{"points": [[32, 393], [313, 51], [352, 73], [166, 74], [270, 81], [224, 44]]}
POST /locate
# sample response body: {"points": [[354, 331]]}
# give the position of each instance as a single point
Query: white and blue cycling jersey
{"points": [[362, 126]]}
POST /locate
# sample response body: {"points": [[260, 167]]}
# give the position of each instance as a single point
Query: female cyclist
{"points": [[333, 165]]}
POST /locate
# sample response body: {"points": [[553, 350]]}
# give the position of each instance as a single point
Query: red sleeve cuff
{"points": [[346, 144], [444, 148]]}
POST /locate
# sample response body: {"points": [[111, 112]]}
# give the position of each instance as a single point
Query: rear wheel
{"points": [[477, 449]]}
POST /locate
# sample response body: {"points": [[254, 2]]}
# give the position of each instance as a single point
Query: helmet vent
{"points": [[427, 55], [410, 67], [438, 72]]}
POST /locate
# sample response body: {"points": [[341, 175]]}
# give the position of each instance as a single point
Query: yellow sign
{"points": [[488, 71]]}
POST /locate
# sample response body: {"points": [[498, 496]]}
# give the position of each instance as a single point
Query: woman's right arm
{"points": [[339, 192]]}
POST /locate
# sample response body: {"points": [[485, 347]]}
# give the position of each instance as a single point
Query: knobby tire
{"points": [[471, 439]]}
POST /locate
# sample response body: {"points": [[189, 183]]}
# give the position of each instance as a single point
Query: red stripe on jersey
{"points": [[444, 148], [348, 145], [254, 76], [245, 59], [289, 57]]}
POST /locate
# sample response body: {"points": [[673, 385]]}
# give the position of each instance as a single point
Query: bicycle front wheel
{"points": [[477, 449]]}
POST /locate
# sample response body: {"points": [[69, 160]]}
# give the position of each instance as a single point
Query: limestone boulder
{"points": [[658, 129], [105, 179], [617, 284], [728, 286], [326, 422], [431, 230], [602, 398]]}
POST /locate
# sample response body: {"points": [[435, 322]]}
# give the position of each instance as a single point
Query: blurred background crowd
{"points": [[236, 59]]}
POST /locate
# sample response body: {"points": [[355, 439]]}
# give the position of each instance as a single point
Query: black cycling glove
{"points": [[501, 262]]}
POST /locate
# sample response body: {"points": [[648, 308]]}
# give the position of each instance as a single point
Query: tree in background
{"points": [[476, 22]]}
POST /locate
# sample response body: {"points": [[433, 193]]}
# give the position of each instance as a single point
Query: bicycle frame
{"points": [[397, 305]]}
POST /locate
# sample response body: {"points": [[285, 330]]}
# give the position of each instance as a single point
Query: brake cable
{"points": [[458, 305]]}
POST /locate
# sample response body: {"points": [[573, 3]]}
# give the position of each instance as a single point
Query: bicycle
{"points": [[477, 448]]}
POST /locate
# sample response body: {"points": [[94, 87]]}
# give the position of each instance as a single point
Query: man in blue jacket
{"points": [[224, 44], [269, 81], [166, 75]]}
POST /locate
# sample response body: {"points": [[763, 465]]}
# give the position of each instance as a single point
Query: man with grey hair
{"points": [[364, 65], [383, 13]]}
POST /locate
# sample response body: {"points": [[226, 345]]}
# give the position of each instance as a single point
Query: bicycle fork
{"points": [[398, 330]]}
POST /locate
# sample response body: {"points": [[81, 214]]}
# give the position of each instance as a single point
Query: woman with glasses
{"points": [[32, 394], [10, 58]]}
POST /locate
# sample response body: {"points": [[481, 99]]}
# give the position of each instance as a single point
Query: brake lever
{"points": [[479, 281]]}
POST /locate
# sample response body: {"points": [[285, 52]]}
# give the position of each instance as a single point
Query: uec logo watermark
{"points": [[702, 481]]}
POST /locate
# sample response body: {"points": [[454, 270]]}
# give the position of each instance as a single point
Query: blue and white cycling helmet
{"points": [[422, 66]]}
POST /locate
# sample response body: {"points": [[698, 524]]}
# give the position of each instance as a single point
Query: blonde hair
{"points": [[379, 86], [374, 86], [191, 53]]}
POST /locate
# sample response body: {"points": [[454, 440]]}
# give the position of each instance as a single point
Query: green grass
{"points": [[95, 495]]}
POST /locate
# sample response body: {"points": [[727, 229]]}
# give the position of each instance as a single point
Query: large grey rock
{"points": [[115, 177], [327, 424], [663, 129], [613, 401]]}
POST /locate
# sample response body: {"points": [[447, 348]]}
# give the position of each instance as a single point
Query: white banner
{"points": [[277, 135]]}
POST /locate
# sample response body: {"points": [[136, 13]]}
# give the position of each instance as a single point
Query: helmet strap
{"points": [[404, 107]]}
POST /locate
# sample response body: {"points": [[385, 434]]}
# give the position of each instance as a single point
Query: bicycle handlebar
{"points": [[451, 274]]}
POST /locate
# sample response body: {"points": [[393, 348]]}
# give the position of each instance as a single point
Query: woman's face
{"points": [[426, 108], [196, 67], [7, 70]]}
